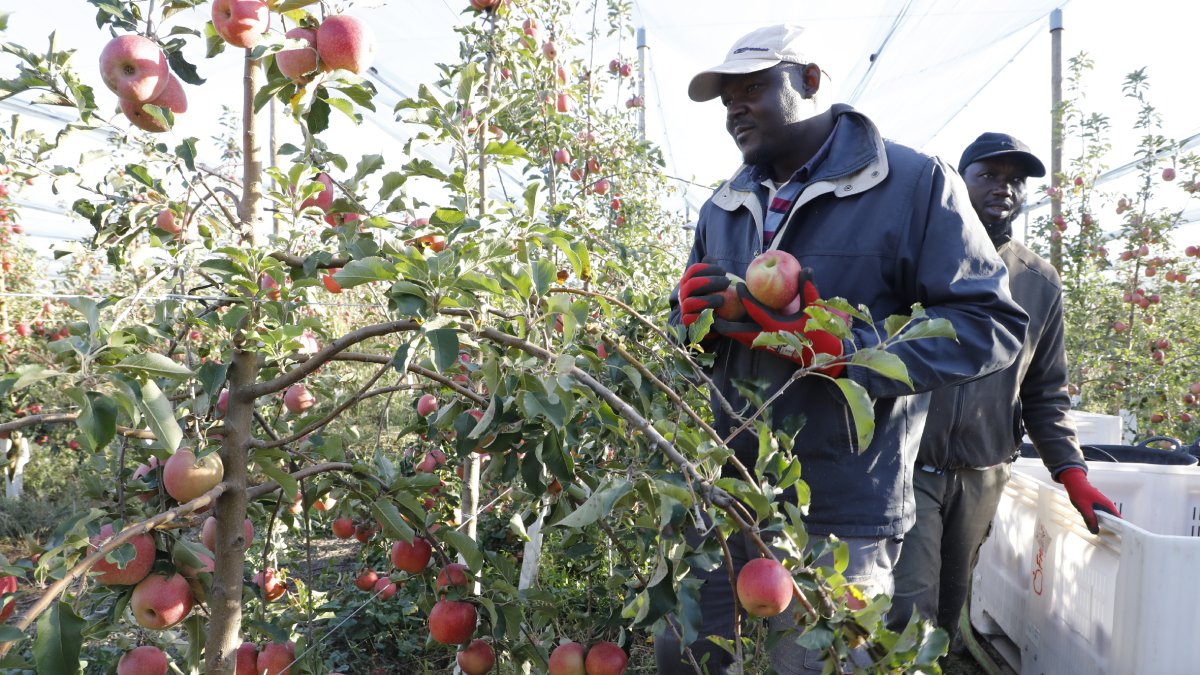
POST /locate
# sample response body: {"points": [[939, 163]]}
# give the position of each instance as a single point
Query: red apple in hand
{"points": [[134, 571], [764, 587], [605, 658], [186, 477], [476, 658], [773, 278], [298, 398], [452, 622], [144, 660], [134, 68], [567, 659], [412, 557], [161, 601], [172, 98], [241, 23], [732, 308], [345, 42], [296, 63]]}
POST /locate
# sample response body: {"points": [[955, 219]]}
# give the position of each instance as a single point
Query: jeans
{"points": [[954, 515], [871, 563]]}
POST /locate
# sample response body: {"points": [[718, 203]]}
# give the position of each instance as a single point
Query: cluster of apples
{"points": [[135, 69], [339, 42], [275, 658], [602, 658]]}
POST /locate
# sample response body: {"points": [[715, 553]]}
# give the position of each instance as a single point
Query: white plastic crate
{"points": [[1119, 603]]}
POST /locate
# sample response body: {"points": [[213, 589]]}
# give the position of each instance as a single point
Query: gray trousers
{"points": [[954, 516], [870, 568]]}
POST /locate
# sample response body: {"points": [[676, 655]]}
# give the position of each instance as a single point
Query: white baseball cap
{"points": [[756, 51]]}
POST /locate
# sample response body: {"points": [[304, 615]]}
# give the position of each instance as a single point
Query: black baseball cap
{"points": [[992, 144]]}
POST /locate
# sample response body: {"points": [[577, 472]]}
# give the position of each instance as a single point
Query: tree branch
{"points": [[321, 357]]}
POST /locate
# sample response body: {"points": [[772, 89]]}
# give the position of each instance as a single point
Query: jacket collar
{"points": [[857, 161]]}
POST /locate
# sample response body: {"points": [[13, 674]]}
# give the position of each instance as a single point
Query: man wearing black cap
{"points": [[871, 221], [974, 429]]}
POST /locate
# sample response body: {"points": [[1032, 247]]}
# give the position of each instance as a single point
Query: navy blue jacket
{"points": [[884, 226]]}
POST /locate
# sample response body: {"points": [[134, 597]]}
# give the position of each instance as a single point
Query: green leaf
{"points": [[883, 362], [464, 545], [400, 358], [187, 152], [600, 503], [31, 373], [862, 410], [9, 634], [287, 483], [390, 519], [152, 364], [185, 70], [544, 275], [700, 327], [59, 638], [141, 174], [391, 182], [818, 638], [160, 415], [445, 347], [365, 271], [930, 328], [97, 417], [368, 165]]}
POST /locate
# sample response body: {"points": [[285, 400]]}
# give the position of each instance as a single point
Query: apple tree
{"points": [[398, 346]]}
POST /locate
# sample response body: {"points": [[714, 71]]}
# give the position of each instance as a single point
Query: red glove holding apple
{"points": [[792, 318], [1086, 498], [702, 287]]}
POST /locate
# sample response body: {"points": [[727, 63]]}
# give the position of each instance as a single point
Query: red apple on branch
{"points": [[110, 574], [144, 660], [276, 659], [324, 199], [343, 528], [186, 477], [384, 588], [160, 601], [246, 662], [272, 587], [454, 574], [764, 587], [427, 405], [773, 278], [298, 398], [411, 557], [366, 579], [476, 658], [296, 63], [172, 98], [208, 533], [241, 23], [8, 586], [452, 622], [605, 658], [134, 68], [567, 659], [345, 42], [165, 221]]}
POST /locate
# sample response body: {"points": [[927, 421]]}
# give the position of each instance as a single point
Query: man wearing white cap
{"points": [[871, 221]]}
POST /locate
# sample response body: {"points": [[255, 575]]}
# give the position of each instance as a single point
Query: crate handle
{"points": [[1177, 445]]}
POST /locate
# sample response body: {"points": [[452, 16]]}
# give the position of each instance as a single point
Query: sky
{"points": [[944, 71]]}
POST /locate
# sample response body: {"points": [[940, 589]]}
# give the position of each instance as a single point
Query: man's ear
{"points": [[812, 80]]}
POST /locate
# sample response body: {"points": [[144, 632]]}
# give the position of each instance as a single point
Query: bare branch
{"points": [[321, 357]]}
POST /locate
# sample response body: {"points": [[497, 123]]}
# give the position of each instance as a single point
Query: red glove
{"points": [[1085, 497], [762, 319], [700, 289]]}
